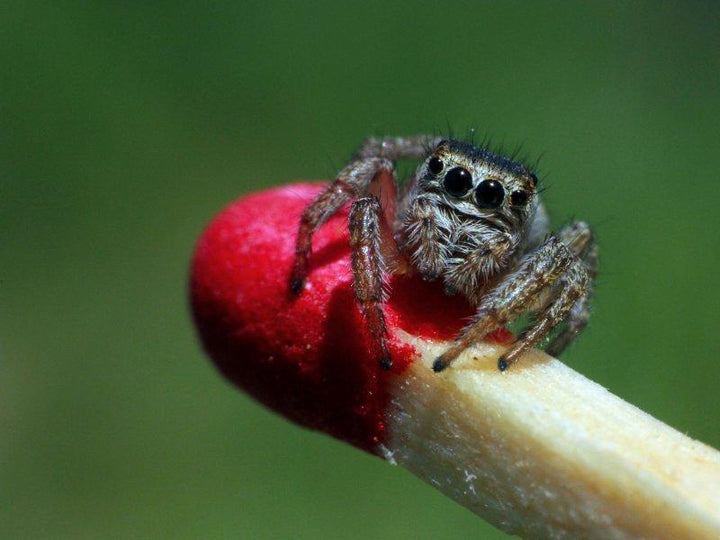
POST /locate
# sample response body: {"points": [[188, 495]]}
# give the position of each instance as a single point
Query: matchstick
{"points": [[538, 450], [544, 452]]}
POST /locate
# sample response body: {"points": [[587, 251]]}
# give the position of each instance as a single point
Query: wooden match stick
{"points": [[545, 453]]}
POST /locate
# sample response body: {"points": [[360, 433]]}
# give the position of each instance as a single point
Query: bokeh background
{"points": [[125, 126]]}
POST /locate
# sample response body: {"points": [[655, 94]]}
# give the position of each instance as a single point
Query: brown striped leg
{"points": [[573, 291], [368, 268], [512, 296], [355, 180], [352, 181], [414, 147], [579, 237]]}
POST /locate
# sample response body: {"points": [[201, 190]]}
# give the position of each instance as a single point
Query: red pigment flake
{"points": [[306, 357]]}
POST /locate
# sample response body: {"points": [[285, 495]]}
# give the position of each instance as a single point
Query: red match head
{"points": [[306, 357]]}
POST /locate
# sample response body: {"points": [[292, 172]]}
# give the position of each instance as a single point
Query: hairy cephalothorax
{"points": [[469, 217]]}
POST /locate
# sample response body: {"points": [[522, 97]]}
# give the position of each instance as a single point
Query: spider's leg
{"points": [[352, 181], [368, 265], [513, 295], [573, 292], [578, 236], [414, 147], [355, 180]]}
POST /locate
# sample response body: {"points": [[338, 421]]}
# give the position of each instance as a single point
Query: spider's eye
{"points": [[435, 165], [533, 179], [519, 197], [457, 182], [489, 194]]}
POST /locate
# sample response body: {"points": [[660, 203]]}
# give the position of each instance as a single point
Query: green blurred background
{"points": [[125, 126]]}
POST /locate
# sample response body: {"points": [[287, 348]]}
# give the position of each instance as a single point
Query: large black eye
{"points": [[489, 194], [435, 165], [457, 182]]}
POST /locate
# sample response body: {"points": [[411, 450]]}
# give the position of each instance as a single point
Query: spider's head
{"points": [[476, 182]]}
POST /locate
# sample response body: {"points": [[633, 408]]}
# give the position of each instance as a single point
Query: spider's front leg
{"points": [[366, 239], [357, 179], [573, 291], [413, 147], [353, 181], [518, 293]]}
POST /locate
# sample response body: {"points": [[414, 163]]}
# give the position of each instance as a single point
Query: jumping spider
{"points": [[469, 217]]}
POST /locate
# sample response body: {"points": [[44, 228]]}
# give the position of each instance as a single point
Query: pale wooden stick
{"points": [[543, 452]]}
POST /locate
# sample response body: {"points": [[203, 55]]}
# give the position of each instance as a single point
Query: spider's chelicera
{"points": [[469, 217]]}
